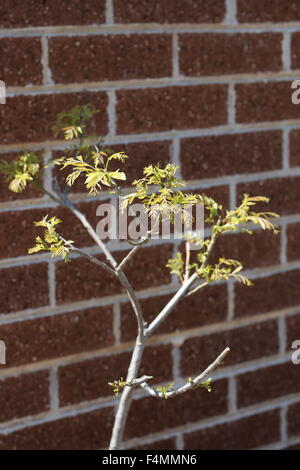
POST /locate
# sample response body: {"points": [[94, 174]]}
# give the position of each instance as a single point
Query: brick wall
{"points": [[206, 85]]}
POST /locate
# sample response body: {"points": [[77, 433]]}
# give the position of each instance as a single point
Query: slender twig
{"points": [[183, 289], [193, 291], [133, 251], [126, 397], [189, 385], [171, 304], [140, 380], [92, 259], [187, 260]]}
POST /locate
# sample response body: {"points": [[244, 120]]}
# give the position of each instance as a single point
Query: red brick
{"points": [[24, 13], [18, 227], [188, 11], [293, 417], [24, 395], [88, 380], [82, 432], [140, 154], [269, 293], [245, 343], [20, 61], [123, 57], [165, 444], [268, 383], [6, 194], [253, 251], [284, 194], [260, 102], [80, 279], [295, 50], [221, 155], [224, 54], [295, 147], [24, 287], [219, 193], [29, 118], [166, 414], [213, 302], [169, 108], [246, 433], [292, 331], [57, 335], [293, 248], [258, 11]]}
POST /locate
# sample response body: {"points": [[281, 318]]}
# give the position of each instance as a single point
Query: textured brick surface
{"points": [[122, 57], [28, 118], [282, 293], [19, 228], [253, 251], [20, 61], [24, 13], [187, 11], [259, 102], [166, 444], [242, 434], [186, 408], [56, 336], [295, 51], [171, 108], [245, 343], [293, 418], [295, 147], [292, 329], [156, 105], [220, 155], [218, 193], [282, 202], [84, 431], [23, 287], [265, 11], [205, 307], [81, 280], [293, 248], [217, 54], [25, 395], [267, 384], [88, 380]]}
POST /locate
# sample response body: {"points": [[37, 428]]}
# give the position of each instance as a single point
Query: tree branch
{"points": [[189, 385], [92, 259], [183, 289], [132, 252]]}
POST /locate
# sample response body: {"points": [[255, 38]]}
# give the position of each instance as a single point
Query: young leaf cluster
{"points": [[233, 220], [243, 215], [96, 173], [20, 171], [73, 122], [207, 384], [165, 389], [223, 270], [157, 191], [51, 240], [117, 385]]}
